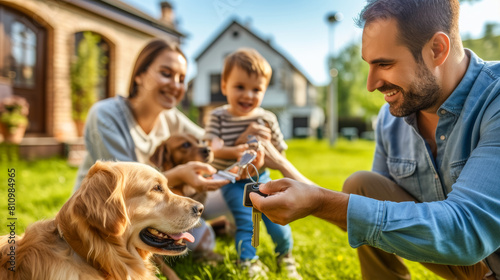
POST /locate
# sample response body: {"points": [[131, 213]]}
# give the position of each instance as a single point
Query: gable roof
{"points": [[234, 22], [122, 13]]}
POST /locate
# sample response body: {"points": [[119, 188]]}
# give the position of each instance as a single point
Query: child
{"points": [[244, 81]]}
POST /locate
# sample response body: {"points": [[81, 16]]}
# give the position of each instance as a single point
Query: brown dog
{"points": [[180, 149], [122, 213]]}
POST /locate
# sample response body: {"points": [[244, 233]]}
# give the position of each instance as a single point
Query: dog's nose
{"points": [[205, 151], [198, 209]]}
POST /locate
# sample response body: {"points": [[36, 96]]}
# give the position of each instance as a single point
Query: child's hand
{"points": [[239, 150], [258, 162], [216, 143], [262, 132], [227, 152], [194, 174]]}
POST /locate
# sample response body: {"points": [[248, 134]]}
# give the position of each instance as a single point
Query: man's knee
{"points": [[374, 185], [356, 183]]}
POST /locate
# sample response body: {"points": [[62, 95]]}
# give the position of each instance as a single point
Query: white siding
{"points": [[212, 61], [291, 95], [299, 90]]}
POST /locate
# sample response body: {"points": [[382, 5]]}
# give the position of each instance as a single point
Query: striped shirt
{"points": [[228, 128]]}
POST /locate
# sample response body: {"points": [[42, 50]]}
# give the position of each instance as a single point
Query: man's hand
{"points": [[288, 200], [194, 173]]}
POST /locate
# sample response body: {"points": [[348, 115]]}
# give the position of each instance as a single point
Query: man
{"points": [[437, 149]]}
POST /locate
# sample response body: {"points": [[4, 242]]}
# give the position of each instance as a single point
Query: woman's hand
{"points": [[196, 174]]}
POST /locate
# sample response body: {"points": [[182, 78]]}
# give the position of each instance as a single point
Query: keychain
{"points": [[256, 214]]}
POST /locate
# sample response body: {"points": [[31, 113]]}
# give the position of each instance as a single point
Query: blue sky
{"points": [[298, 28]]}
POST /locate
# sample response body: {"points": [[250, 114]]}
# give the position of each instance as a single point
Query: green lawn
{"points": [[321, 249]]}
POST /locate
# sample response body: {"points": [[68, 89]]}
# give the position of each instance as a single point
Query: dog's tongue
{"points": [[185, 235]]}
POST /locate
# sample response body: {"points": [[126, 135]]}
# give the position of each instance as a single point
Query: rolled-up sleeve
{"points": [[379, 164], [461, 230]]}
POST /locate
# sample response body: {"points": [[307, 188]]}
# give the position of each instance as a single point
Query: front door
{"points": [[22, 60]]}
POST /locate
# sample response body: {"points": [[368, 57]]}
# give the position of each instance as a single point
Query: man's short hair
{"points": [[249, 60], [418, 20]]}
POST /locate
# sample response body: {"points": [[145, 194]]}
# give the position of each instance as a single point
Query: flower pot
{"points": [[80, 127], [14, 134]]}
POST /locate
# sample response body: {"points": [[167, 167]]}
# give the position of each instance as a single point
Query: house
{"points": [[290, 95], [38, 41]]}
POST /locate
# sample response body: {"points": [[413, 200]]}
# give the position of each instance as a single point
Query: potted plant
{"points": [[13, 118]]}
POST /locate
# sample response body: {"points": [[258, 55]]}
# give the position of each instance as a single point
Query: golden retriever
{"points": [[179, 149], [122, 214]]}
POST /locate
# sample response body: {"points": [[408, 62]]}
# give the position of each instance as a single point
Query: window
{"points": [[300, 126], [23, 55], [215, 91]]}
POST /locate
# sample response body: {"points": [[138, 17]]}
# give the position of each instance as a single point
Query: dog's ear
{"points": [[159, 155], [161, 158], [100, 201]]}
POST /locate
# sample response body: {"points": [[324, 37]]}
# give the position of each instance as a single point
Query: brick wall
{"points": [[62, 21]]}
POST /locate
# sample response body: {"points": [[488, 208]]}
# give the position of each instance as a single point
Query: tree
{"points": [[85, 71], [486, 47], [353, 97]]}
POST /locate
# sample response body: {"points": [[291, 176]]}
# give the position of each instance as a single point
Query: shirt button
{"points": [[435, 176], [443, 112], [442, 137]]}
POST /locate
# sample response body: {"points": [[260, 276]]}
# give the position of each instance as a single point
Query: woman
{"points": [[130, 129]]}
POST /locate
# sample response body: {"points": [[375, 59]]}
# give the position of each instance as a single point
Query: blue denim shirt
{"points": [[458, 221]]}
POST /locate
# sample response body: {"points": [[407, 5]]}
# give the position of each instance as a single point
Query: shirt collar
{"points": [[456, 100]]}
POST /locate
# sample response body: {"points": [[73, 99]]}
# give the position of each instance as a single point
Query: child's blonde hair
{"points": [[249, 60]]}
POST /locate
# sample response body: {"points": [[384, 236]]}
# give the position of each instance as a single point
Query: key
{"points": [[245, 160], [256, 214], [256, 217]]}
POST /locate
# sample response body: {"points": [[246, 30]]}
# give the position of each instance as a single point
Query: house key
{"points": [[256, 214], [248, 156]]}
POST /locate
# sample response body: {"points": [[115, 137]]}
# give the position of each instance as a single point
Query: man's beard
{"points": [[422, 94]]}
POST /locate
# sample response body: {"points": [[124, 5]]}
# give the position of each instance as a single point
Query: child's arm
{"points": [[226, 152], [231, 152]]}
